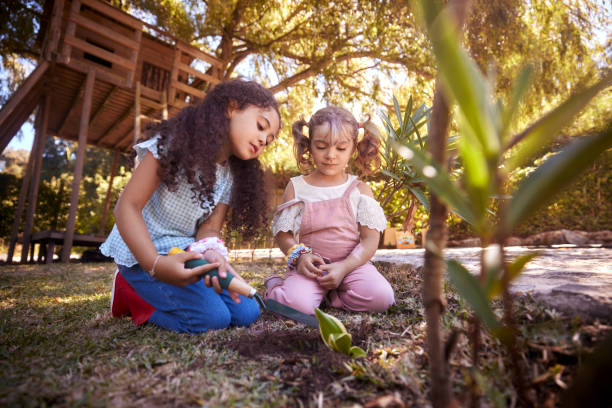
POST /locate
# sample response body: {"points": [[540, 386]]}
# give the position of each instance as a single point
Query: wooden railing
{"points": [[191, 70], [122, 30]]}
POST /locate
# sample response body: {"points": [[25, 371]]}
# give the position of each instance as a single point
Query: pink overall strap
{"points": [[287, 205], [351, 186]]}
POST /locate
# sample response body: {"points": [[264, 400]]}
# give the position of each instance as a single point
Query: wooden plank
{"points": [[204, 77], [99, 52], [199, 54], [23, 90], [41, 133], [134, 58], [22, 112], [105, 76], [190, 90], [55, 29], [78, 166], [70, 30], [150, 93], [174, 76], [114, 13], [117, 124], [164, 103], [21, 201], [151, 104], [106, 102], [73, 106], [137, 113], [104, 31]]}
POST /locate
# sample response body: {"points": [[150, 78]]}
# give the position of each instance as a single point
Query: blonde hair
{"points": [[341, 122]]}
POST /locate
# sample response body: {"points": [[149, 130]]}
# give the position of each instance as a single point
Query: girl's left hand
{"points": [[213, 256], [335, 274]]}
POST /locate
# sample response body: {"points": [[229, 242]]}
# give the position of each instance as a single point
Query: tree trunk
{"points": [[434, 268]]}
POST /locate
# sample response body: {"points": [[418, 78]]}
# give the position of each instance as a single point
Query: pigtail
{"points": [[368, 157], [301, 146]]}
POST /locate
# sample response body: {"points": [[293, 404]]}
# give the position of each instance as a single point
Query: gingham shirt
{"points": [[172, 218]]}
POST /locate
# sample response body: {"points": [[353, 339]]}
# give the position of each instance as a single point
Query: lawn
{"points": [[60, 347]]}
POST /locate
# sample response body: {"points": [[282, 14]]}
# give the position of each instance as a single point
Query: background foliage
{"points": [[354, 53]]}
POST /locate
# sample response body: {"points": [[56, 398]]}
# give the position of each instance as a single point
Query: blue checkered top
{"points": [[172, 218]]}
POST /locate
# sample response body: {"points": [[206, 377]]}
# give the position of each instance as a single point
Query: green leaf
{"points": [[328, 325], [437, 180], [389, 126], [557, 172], [476, 170], [398, 113], [463, 81], [420, 195], [494, 286], [471, 291], [407, 117], [341, 342], [392, 175], [521, 84], [357, 352], [546, 128]]}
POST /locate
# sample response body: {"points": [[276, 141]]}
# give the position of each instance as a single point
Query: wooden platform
{"points": [[46, 241]]}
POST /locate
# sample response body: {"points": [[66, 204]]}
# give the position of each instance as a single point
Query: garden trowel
{"points": [[247, 290]]}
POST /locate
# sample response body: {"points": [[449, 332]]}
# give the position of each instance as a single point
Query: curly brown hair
{"points": [[190, 141], [367, 159]]}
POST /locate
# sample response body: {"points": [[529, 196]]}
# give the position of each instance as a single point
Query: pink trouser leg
{"points": [[298, 292], [363, 289]]}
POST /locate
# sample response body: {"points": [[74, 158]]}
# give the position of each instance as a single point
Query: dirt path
{"points": [[571, 279], [574, 280]]}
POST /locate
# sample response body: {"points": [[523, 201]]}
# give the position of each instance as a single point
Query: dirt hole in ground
{"points": [[305, 362]]}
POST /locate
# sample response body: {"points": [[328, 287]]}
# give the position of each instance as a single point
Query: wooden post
{"points": [[54, 30], [137, 117], [134, 57], [164, 103], [70, 30], [108, 192], [41, 132], [25, 183], [78, 167], [174, 75]]}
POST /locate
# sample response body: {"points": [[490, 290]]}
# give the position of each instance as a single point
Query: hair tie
{"points": [[359, 125]]}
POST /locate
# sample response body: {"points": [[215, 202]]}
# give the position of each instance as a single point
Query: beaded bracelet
{"points": [[294, 254], [205, 244]]}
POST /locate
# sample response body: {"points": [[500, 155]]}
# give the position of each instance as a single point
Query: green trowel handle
{"points": [[223, 282]]}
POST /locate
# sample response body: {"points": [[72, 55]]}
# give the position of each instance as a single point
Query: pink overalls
{"points": [[330, 228]]}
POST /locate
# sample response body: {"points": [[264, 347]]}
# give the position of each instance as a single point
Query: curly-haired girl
{"points": [[192, 169], [335, 216]]}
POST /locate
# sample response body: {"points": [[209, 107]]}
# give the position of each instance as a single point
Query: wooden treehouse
{"points": [[101, 76]]}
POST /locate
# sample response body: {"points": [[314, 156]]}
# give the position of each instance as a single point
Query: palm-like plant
{"points": [[401, 178], [488, 152]]}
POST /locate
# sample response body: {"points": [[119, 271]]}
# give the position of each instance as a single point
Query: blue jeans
{"points": [[194, 308]]}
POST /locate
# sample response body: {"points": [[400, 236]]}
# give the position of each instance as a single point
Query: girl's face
{"points": [[330, 154], [251, 130]]}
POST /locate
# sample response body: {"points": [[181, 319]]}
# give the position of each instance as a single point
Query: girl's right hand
{"points": [[171, 269], [308, 265]]}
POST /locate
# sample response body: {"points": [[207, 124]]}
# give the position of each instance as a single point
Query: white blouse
{"points": [[367, 210]]}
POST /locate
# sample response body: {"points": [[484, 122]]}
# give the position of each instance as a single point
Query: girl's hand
{"points": [[224, 268], [308, 265], [171, 269], [335, 274]]}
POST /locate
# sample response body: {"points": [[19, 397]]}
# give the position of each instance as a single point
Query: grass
{"points": [[59, 346]]}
